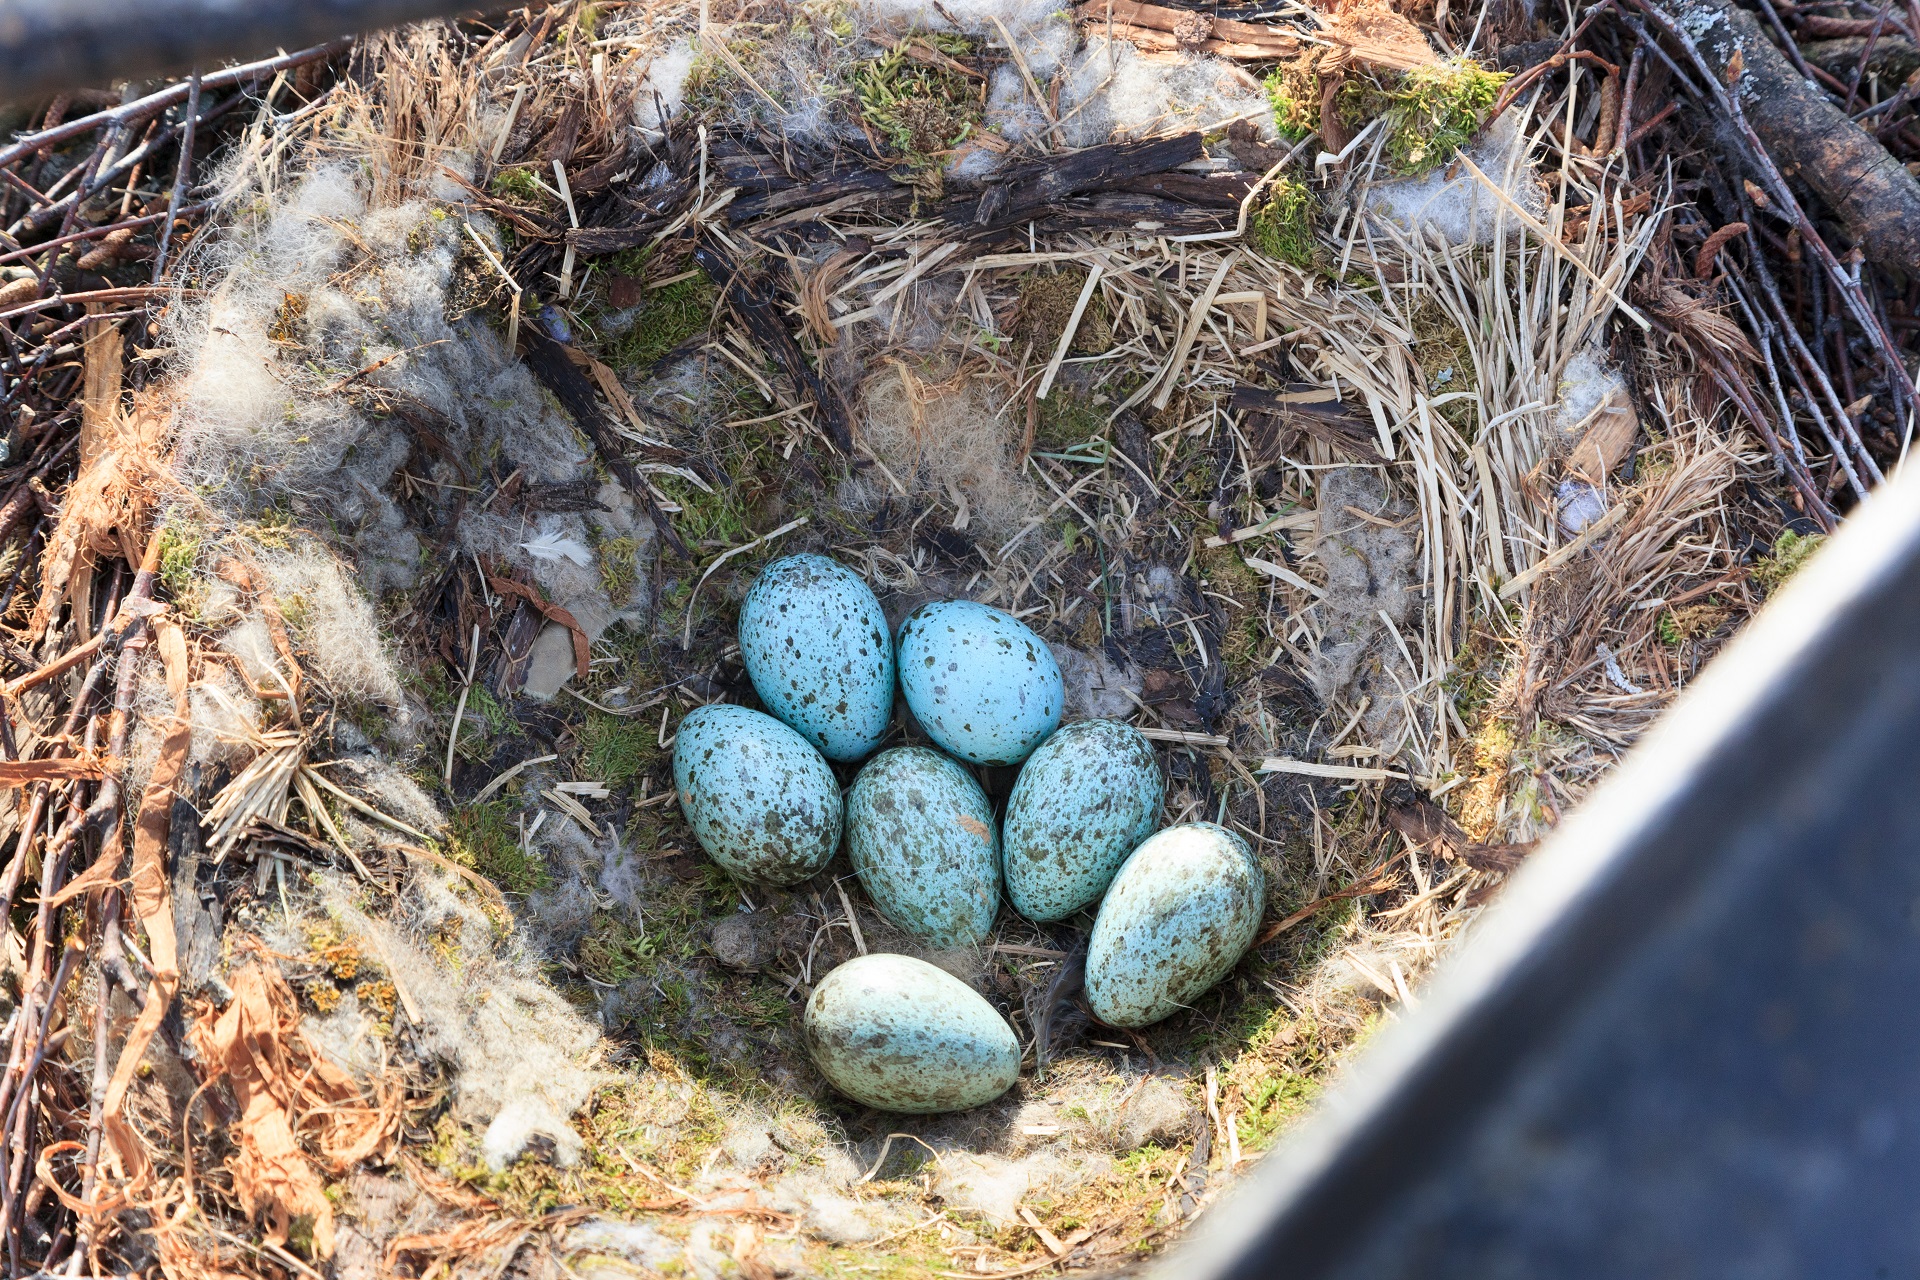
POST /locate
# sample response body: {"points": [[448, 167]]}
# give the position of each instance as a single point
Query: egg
{"points": [[1084, 799], [761, 801], [982, 685], [1182, 911], [898, 1034], [816, 647], [921, 838]]}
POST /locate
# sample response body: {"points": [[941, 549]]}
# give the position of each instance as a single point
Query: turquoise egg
{"points": [[1085, 798], [1183, 910], [898, 1034], [761, 801], [920, 835], [816, 647], [981, 684]]}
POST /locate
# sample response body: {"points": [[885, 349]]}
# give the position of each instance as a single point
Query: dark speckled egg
{"points": [[1183, 910], [761, 801], [816, 647], [1085, 798], [981, 684], [920, 835], [898, 1034]]}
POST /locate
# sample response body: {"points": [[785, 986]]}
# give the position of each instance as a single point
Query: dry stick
{"points": [[1787, 43], [1783, 195], [182, 172], [107, 808], [1866, 53], [93, 233], [154, 103], [1791, 344], [19, 1115], [1796, 469], [48, 860]]}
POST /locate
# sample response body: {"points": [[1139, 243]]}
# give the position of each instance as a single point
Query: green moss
{"points": [[1293, 88], [618, 749], [516, 183], [1066, 421], [483, 836], [1430, 112], [667, 317], [919, 109], [1790, 551], [179, 554], [612, 952], [1282, 227], [619, 566]]}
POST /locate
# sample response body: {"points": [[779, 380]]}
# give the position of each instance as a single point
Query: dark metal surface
{"points": [[1685, 1043], [49, 45]]}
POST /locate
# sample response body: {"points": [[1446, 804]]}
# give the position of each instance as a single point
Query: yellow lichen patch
{"points": [[1488, 758]]}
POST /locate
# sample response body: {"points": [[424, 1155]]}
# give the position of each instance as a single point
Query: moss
{"points": [[1790, 551], [1282, 227], [483, 836], [1293, 89], [1487, 759], [613, 952], [619, 567], [1691, 622], [668, 316], [179, 555], [1245, 645], [617, 749], [1446, 364], [288, 319], [1046, 302], [1430, 112], [919, 109], [1065, 421], [516, 183], [1275, 1081]]}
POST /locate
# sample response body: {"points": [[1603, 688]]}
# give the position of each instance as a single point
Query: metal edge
{"points": [[1272, 1206]]}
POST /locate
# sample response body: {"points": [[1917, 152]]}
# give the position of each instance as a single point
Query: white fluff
{"points": [[664, 90], [1460, 209], [556, 546]]}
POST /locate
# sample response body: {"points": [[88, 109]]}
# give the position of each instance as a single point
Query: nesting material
{"points": [[953, 440], [1368, 551], [1457, 206], [523, 1061]]}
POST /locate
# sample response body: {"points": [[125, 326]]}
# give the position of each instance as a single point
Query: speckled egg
{"points": [[761, 801], [817, 650], [1085, 798], [920, 834], [1181, 913], [900, 1035], [982, 685]]}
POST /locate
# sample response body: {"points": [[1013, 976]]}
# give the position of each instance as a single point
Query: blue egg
{"points": [[1183, 910], [982, 685], [898, 1034], [1086, 797], [920, 835], [761, 801], [816, 647]]}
